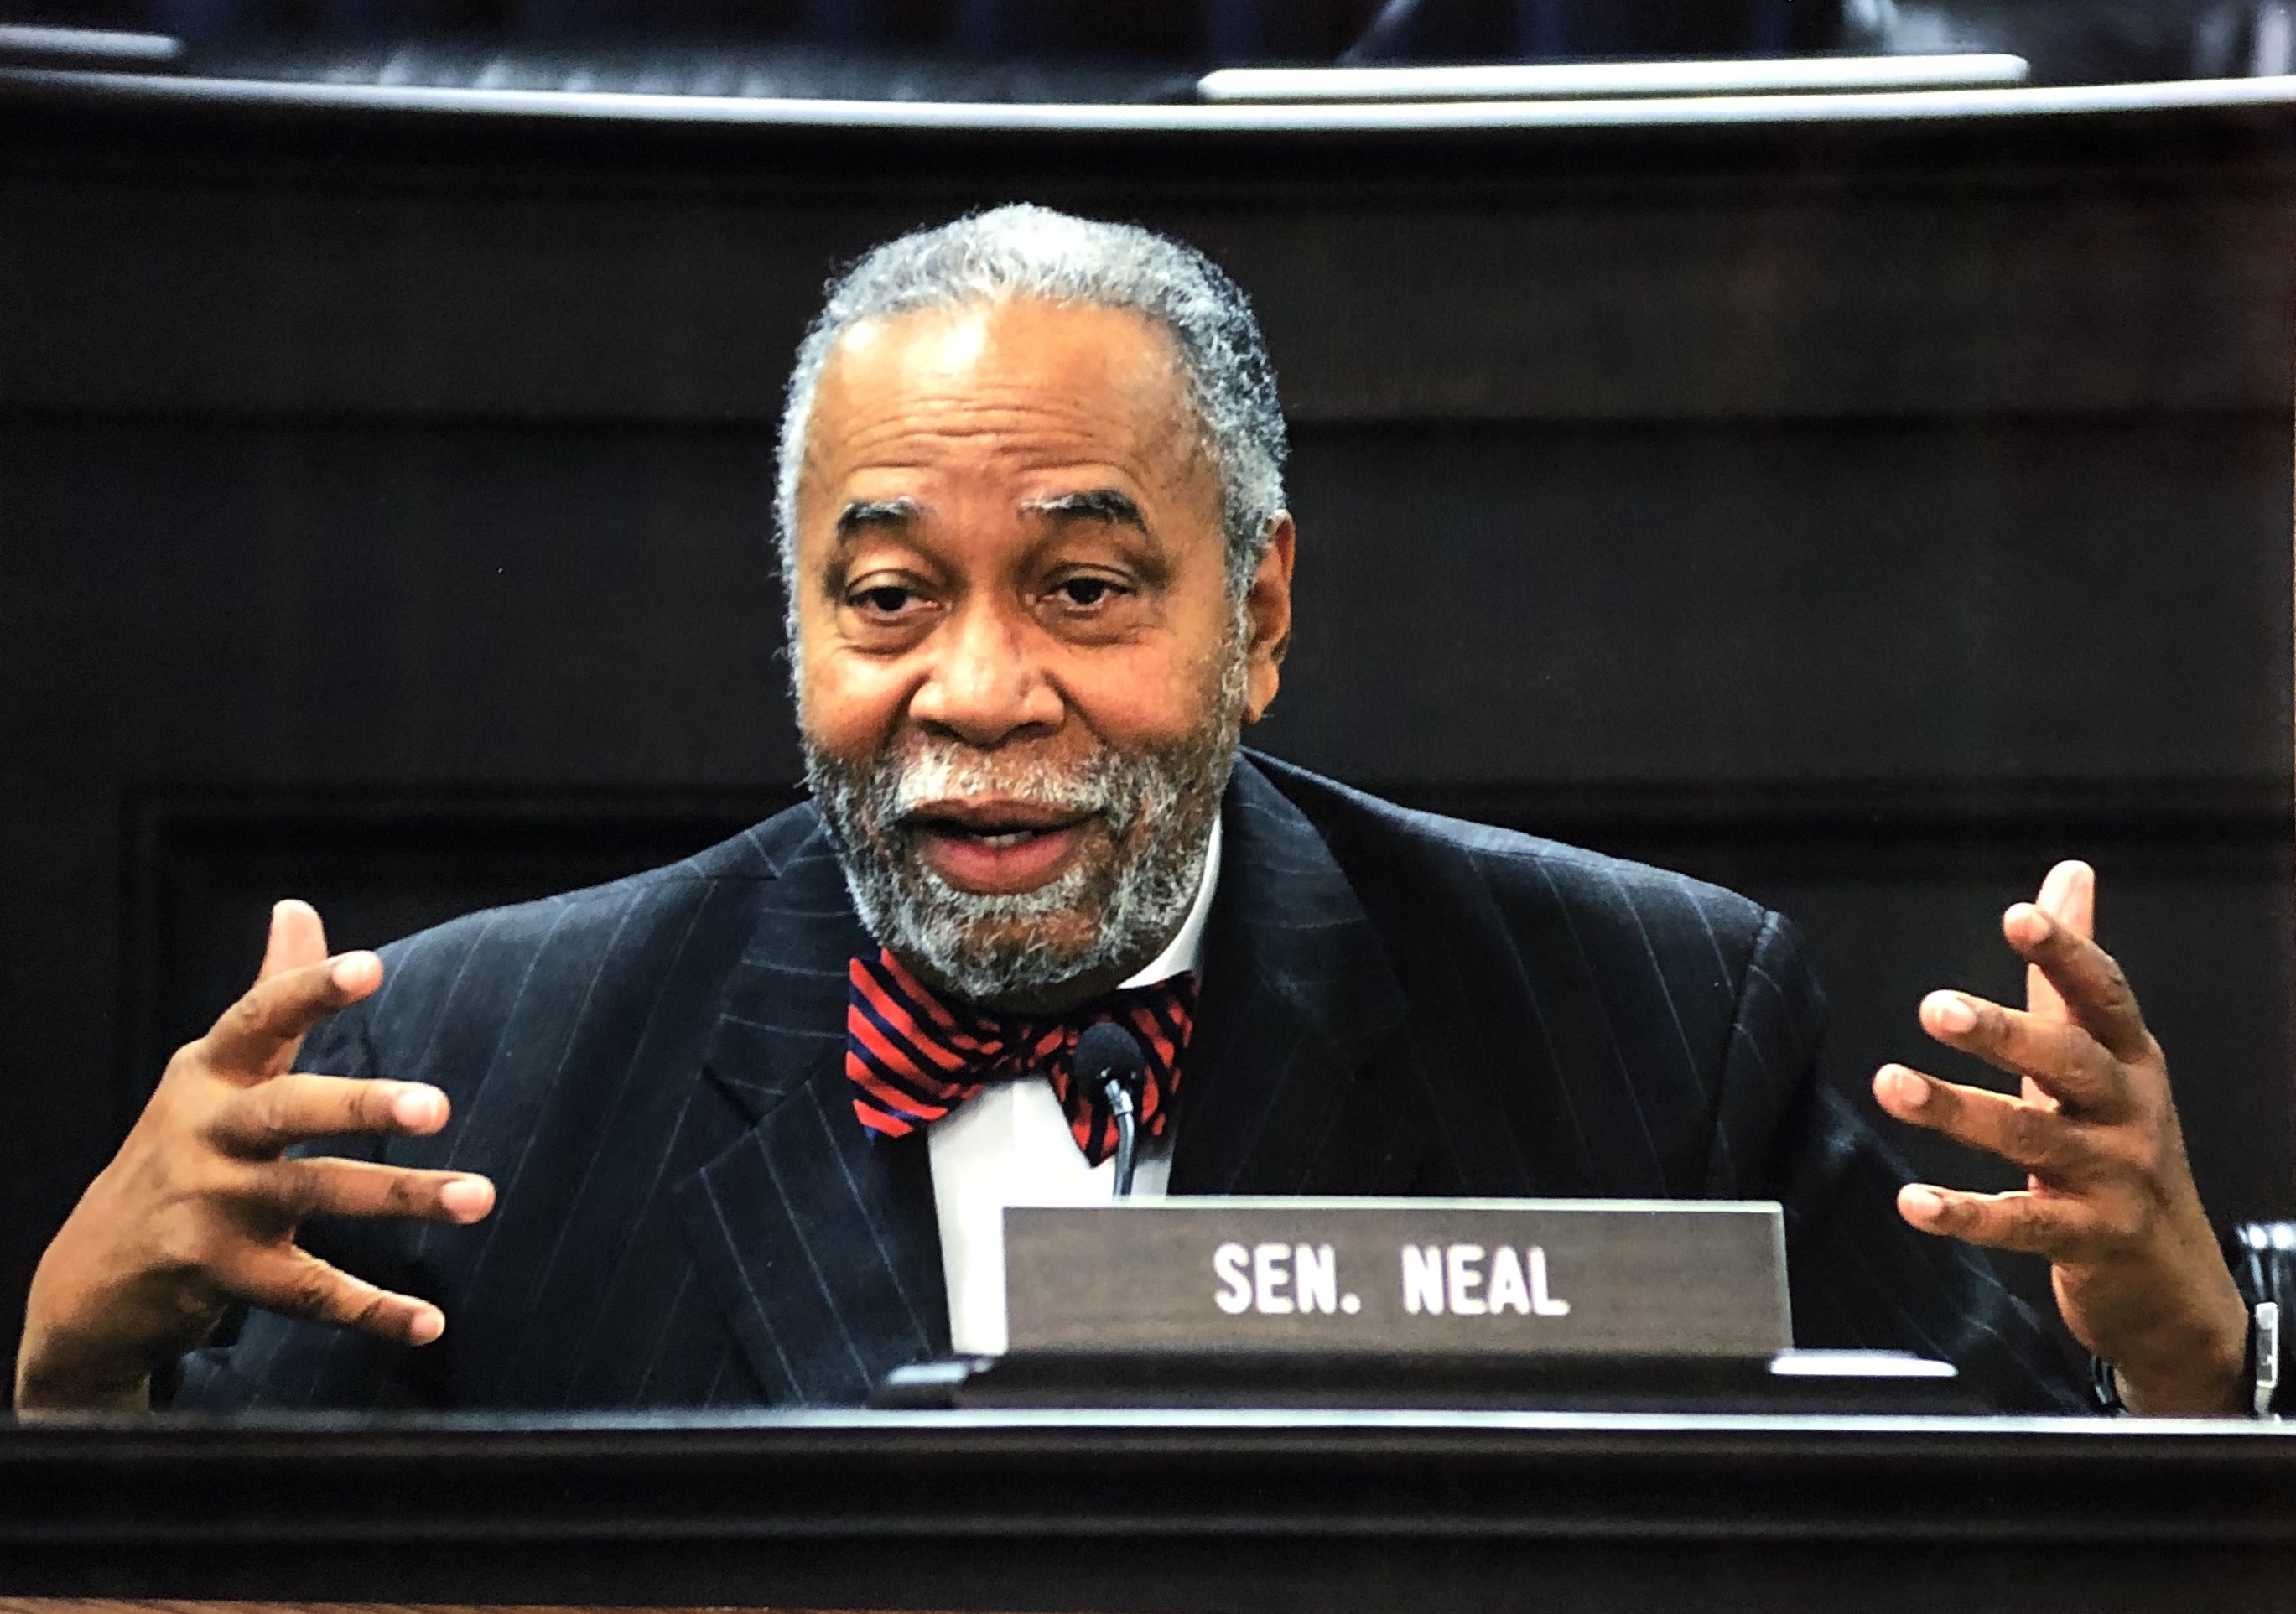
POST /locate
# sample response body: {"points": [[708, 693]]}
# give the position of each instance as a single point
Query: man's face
{"points": [[1020, 670]]}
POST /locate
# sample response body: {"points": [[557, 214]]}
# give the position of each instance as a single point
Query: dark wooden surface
{"points": [[1148, 1511], [1862, 517]]}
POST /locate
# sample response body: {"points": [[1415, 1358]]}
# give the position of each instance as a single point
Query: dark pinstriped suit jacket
{"points": [[690, 1214]]}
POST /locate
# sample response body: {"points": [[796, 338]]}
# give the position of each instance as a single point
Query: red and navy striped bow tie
{"points": [[913, 1058]]}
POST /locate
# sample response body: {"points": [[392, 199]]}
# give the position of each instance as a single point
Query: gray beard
{"points": [[1157, 805]]}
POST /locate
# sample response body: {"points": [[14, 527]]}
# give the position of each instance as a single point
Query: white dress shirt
{"points": [[1012, 1145]]}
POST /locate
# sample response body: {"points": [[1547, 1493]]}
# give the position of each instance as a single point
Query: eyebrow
{"points": [[866, 515], [1093, 504]]}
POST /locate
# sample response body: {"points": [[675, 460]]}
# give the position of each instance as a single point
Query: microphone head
{"points": [[1106, 1052]]}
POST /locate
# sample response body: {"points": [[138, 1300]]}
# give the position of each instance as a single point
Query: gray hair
{"points": [[1024, 251]]}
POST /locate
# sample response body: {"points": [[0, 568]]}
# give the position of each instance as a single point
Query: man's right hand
{"points": [[199, 1206]]}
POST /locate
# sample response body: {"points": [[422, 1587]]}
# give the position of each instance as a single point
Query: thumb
{"points": [[297, 938]]}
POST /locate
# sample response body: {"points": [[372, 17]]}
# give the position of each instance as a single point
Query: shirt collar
{"points": [[1185, 951]]}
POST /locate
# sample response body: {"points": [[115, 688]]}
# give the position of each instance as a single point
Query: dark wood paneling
{"points": [[1952, 600], [1830, 275]]}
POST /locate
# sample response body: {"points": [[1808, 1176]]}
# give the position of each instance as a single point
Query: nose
{"points": [[986, 684]]}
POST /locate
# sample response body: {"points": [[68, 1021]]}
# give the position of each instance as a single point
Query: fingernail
{"points": [[351, 968], [419, 1108], [1951, 1013], [467, 1199], [428, 1324], [1922, 1203], [1907, 1088]]}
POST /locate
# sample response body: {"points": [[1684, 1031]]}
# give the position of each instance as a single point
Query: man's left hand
{"points": [[2109, 1196]]}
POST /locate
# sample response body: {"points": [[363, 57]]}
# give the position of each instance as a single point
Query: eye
{"points": [[887, 603], [1084, 592], [885, 600]]}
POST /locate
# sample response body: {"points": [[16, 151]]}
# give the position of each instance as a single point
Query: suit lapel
{"points": [[1294, 1082], [823, 1246], [820, 1243]]}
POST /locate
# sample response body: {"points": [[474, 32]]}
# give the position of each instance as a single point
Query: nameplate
{"points": [[1454, 1277]]}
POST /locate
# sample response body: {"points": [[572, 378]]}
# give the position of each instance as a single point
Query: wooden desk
{"points": [[1265, 1511]]}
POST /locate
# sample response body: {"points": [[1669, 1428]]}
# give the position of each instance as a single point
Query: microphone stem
{"points": [[1120, 1106]]}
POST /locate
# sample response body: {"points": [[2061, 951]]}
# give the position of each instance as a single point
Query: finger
{"points": [[296, 1188], [261, 1121], [257, 1036], [2096, 996], [297, 938], [2061, 1229], [2068, 895], [291, 1280], [2039, 1141], [2062, 1059]]}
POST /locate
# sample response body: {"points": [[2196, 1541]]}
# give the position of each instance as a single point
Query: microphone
{"points": [[1109, 1056]]}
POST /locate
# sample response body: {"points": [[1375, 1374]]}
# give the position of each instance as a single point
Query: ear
{"points": [[1268, 608]]}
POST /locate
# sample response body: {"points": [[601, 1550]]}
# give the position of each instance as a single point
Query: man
{"points": [[738, 1131]]}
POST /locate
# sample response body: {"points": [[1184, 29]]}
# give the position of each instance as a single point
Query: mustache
{"points": [[950, 771]]}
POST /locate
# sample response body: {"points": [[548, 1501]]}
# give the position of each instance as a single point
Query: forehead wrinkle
{"points": [[967, 422], [894, 411], [962, 441], [901, 392]]}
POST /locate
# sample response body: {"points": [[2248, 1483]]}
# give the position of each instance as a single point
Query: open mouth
{"points": [[998, 848], [991, 838]]}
